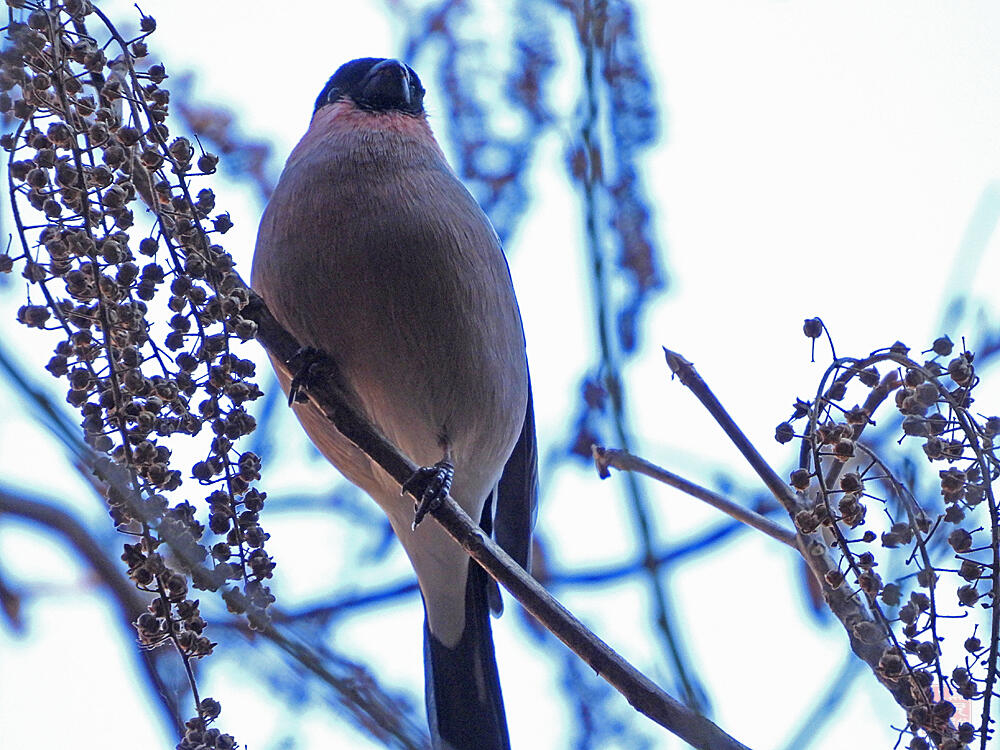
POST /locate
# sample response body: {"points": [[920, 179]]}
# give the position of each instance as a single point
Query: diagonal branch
{"points": [[690, 378], [641, 692]]}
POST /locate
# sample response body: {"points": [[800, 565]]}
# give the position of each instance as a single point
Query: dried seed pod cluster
{"points": [[122, 263], [922, 554]]}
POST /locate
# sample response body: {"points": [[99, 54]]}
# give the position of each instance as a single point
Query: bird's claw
{"points": [[302, 364], [429, 485]]}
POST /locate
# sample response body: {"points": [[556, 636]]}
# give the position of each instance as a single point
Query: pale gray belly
{"points": [[417, 311]]}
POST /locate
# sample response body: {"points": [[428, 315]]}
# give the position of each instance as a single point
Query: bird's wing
{"points": [[517, 493]]}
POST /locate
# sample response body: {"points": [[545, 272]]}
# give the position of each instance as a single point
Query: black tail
{"points": [[464, 704]]}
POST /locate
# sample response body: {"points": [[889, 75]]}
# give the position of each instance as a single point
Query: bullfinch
{"points": [[373, 252]]}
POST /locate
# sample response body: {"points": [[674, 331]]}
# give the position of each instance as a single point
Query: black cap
{"points": [[376, 84]]}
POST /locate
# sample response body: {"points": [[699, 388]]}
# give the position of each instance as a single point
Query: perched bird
{"points": [[372, 251]]}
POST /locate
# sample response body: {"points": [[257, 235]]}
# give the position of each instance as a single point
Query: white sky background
{"points": [[819, 159]]}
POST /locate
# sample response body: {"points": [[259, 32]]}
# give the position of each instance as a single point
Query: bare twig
{"points": [[690, 378], [357, 693], [625, 461]]}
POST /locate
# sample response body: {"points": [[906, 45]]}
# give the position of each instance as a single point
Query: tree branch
{"points": [[690, 378], [640, 692]]}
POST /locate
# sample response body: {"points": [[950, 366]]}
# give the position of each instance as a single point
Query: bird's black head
{"points": [[375, 84]]}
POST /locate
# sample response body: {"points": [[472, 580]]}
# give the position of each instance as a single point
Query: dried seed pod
{"points": [[968, 595], [800, 479], [852, 482], [942, 346], [960, 540], [812, 328], [960, 370], [843, 450]]}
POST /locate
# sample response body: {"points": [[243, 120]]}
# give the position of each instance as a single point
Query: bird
{"points": [[373, 253]]}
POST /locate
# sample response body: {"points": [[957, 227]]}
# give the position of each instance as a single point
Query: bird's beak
{"points": [[387, 86]]}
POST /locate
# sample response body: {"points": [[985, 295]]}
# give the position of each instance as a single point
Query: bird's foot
{"points": [[303, 365], [430, 485]]}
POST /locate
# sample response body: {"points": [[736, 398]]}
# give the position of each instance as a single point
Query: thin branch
{"points": [[371, 707], [625, 461], [690, 378], [869, 636], [642, 693]]}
